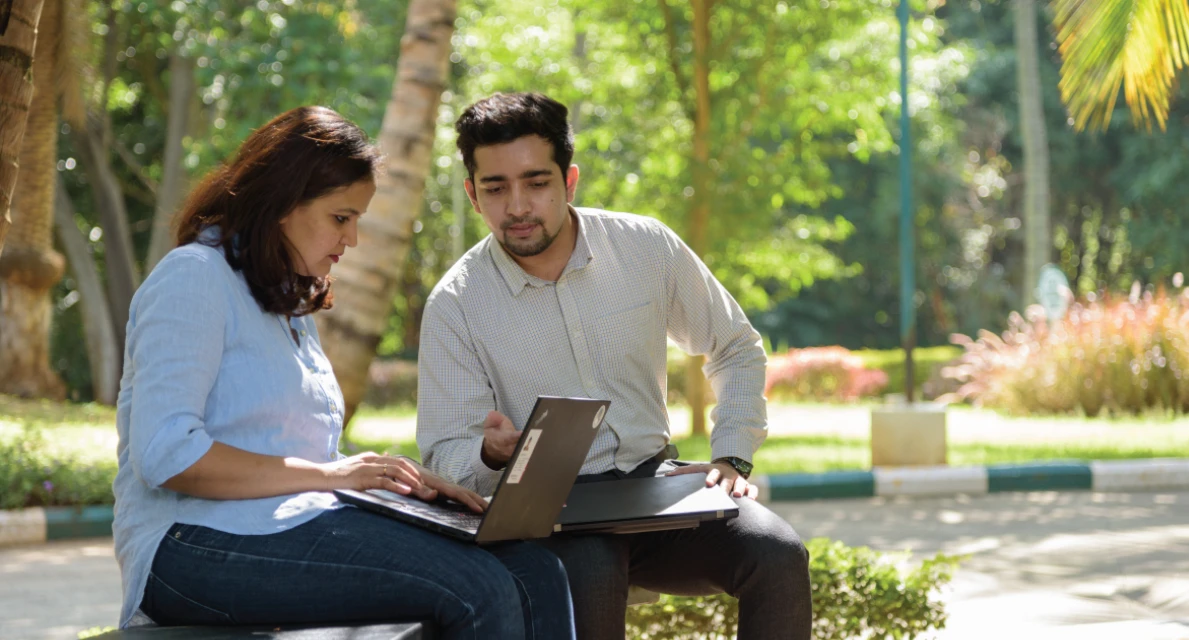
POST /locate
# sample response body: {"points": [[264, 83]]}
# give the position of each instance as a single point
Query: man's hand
{"points": [[723, 475], [499, 440]]}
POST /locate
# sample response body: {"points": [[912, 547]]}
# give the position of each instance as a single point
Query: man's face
{"points": [[522, 195]]}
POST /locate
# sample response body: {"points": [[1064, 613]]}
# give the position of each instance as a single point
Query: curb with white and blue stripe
{"points": [[1110, 475], [37, 524]]}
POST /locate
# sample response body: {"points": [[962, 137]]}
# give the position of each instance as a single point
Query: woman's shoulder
{"points": [[191, 270], [191, 258]]}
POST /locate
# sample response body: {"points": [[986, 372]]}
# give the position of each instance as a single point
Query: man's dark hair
{"points": [[505, 117], [301, 155]]}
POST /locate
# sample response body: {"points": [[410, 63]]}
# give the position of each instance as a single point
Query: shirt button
{"points": [[303, 333]]}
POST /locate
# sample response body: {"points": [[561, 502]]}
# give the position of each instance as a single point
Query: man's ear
{"points": [[571, 182], [469, 185]]}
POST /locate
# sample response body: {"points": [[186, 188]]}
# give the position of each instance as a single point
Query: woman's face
{"points": [[318, 232]]}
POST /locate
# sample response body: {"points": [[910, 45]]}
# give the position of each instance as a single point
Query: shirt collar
{"points": [[515, 276]]}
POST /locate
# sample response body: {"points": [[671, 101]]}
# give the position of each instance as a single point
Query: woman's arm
{"points": [[228, 473]]}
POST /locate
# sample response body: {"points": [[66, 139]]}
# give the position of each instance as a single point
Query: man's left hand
{"points": [[723, 475]]}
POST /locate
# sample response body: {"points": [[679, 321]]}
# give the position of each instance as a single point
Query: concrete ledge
{"points": [[930, 481], [1039, 477], [78, 522], [1129, 475], [38, 524], [1110, 475], [22, 526], [810, 486]]}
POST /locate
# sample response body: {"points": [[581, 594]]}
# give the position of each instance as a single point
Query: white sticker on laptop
{"points": [[599, 417], [526, 453]]}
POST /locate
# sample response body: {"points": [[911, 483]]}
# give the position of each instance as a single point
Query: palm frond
{"points": [[1139, 44]]}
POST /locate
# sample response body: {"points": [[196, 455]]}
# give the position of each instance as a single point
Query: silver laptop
{"points": [[552, 447]]}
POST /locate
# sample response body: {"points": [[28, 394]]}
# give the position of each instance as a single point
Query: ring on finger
{"points": [[385, 472]]}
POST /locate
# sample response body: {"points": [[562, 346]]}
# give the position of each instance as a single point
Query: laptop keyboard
{"points": [[450, 514]]}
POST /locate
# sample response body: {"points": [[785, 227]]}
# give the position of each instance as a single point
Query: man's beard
{"points": [[532, 248]]}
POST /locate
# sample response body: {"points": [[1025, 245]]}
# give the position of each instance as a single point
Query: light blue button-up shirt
{"points": [[204, 363]]}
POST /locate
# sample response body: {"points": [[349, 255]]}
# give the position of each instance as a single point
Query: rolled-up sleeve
{"points": [[175, 346], [454, 396]]}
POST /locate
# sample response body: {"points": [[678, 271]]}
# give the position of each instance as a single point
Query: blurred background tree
{"points": [[764, 133]]}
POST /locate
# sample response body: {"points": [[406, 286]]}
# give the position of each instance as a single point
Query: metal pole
{"points": [[907, 262]]}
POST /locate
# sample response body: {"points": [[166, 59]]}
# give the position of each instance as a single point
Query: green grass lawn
{"points": [[74, 446]]}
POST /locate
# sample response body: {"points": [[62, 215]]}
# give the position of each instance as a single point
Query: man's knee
{"points": [[772, 543]]}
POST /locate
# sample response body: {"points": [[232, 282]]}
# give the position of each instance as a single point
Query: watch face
{"points": [[742, 466]]}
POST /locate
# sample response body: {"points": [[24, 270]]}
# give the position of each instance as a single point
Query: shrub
{"points": [[30, 477], [392, 382], [1123, 356], [857, 593], [823, 374]]}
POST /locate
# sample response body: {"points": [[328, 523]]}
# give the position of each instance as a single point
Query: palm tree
{"points": [[1038, 243], [1139, 44], [18, 37], [32, 267], [368, 276]]}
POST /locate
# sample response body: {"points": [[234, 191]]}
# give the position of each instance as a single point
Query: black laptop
{"points": [[552, 447], [644, 504]]}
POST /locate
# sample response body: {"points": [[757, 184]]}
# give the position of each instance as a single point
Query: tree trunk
{"points": [[18, 37], [29, 267], [119, 255], [102, 353], [1037, 241], [695, 381], [181, 91], [369, 275]]}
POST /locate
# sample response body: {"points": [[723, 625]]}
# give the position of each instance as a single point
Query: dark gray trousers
{"points": [[756, 557]]}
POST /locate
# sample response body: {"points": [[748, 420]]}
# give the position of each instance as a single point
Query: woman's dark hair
{"points": [[504, 117], [300, 155]]}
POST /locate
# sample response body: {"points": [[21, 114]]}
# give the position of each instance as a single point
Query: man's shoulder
{"points": [[475, 266], [624, 229]]}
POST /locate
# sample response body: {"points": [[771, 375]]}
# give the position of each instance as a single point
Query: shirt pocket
{"points": [[624, 339]]}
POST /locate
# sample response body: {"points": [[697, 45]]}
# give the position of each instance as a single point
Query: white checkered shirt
{"points": [[495, 337]]}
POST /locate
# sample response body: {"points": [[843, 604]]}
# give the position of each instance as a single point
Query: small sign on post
{"points": [[1053, 292]]}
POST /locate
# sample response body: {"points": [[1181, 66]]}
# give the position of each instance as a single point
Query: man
{"points": [[578, 302]]}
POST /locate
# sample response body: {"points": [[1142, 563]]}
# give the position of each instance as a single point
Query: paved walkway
{"points": [[1042, 565]]}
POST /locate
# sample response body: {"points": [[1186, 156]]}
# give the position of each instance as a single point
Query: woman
{"points": [[229, 419]]}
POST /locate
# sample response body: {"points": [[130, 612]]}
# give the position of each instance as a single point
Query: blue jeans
{"points": [[349, 565]]}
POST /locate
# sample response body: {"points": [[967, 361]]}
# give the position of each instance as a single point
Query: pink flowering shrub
{"points": [[822, 374], [1123, 356]]}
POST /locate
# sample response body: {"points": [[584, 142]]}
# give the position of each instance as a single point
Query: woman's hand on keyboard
{"points": [[398, 474]]}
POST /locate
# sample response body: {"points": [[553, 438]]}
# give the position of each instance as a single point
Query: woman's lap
{"points": [[350, 565]]}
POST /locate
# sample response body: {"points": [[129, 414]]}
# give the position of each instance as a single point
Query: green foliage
{"points": [[927, 362], [857, 593], [93, 632], [1122, 356], [30, 476]]}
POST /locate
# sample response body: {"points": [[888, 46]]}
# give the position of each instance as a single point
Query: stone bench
{"points": [[402, 631], [362, 631]]}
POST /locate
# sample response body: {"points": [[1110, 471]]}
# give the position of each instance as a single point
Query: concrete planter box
{"points": [[905, 435]]}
